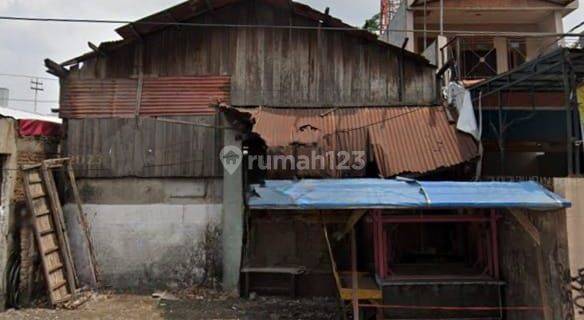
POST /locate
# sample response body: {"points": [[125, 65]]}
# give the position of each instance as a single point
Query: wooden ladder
{"points": [[49, 228]]}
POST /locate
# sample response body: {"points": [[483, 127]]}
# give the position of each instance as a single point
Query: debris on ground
{"points": [[164, 295], [196, 304], [81, 298]]}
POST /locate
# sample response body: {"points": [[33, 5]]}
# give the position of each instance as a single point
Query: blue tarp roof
{"points": [[401, 194]]}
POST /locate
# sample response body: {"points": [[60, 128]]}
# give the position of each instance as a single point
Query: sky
{"points": [[25, 45]]}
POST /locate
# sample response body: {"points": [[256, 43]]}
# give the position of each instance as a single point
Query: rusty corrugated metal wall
{"points": [[399, 140], [159, 96]]}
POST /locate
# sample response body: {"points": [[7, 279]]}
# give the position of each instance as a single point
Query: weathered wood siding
{"points": [[275, 67], [267, 66], [530, 282], [120, 147]]}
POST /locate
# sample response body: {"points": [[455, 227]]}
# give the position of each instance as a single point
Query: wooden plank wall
{"points": [[526, 278], [275, 67], [122, 148]]}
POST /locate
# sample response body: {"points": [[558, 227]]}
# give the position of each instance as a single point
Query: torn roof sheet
{"points": [[399, 140], [401, 194]]}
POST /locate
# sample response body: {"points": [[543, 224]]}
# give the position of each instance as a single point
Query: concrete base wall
{"points": [[147, 246], [7, 185]]}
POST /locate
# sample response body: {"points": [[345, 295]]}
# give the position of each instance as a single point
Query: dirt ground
{"points": [[191, 306]]}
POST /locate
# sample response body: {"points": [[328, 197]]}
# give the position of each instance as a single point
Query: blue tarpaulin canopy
{"points": [[401, 194]]}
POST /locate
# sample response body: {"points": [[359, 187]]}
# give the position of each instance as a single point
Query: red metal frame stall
{"points": [[487, 250]]}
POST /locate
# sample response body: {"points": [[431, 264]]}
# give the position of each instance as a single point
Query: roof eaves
{"points": [[190, 9]]}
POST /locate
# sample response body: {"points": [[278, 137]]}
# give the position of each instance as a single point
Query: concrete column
{"points": [[532, 47], [552, 24], [441, 41], [232, 217], [410, 26], [8, 162], [500, 44]]}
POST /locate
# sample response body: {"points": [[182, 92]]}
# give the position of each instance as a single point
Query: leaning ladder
{"points": [[49, 228]]}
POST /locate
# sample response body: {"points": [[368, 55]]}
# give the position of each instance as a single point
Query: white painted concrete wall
{"points": [[145, 246]]}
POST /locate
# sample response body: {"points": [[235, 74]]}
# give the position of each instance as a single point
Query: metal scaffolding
{"points": [[557, 72]]}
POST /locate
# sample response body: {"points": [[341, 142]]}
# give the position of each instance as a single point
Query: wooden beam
{"points": [[55, 68], [334, 270], [531, 230], [350, 225], [84, 224], [355, 276], [136, 33], [95, 48], [541, 275]]}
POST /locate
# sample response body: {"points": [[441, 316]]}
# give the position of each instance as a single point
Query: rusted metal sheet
{"points": [[399, 140], [98, 98], [159, 96], [419, 141], [183, 95]]}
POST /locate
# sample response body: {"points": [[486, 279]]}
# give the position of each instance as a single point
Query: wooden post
{"points": [[531, 230], [494, 243], [83, 223], [355, 276], [351, 222], [534, 234]]}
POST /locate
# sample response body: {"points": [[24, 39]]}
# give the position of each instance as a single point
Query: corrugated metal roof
{"points": [[27, 115], [398, 139], [400, 194], [160, 96]]}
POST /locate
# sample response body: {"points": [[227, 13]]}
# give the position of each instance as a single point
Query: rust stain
{"points": [[160, 96], [399, 140]]}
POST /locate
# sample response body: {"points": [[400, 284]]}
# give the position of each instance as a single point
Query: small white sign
{"points": [[231, 158]]}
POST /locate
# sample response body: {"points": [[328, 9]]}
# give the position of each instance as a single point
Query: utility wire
{"points": [[286, 27], [32, 100], [14, 75]]}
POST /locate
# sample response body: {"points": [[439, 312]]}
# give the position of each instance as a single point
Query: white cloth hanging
{"points": [[461, 98]]}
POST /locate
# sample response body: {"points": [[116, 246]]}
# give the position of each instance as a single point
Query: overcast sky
{"points": [[24, 45]]}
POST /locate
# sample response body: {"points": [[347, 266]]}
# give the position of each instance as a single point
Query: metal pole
{"points": [[494, 244], [441, 17], [426, 26], [576, 121], [501, 138], [567, 97], [36, 85]]}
